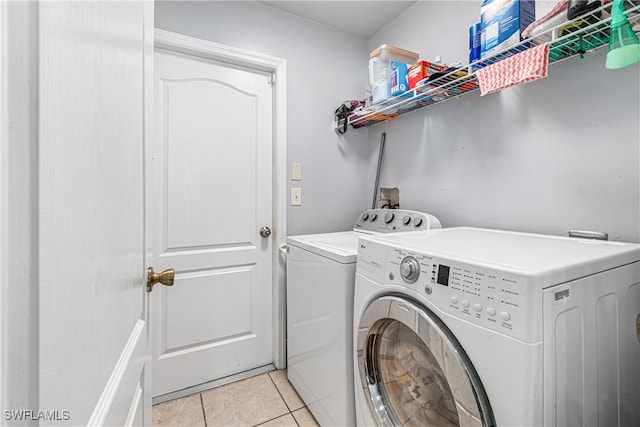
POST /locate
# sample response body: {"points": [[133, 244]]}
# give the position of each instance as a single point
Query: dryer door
{"points": [[414, 371]]}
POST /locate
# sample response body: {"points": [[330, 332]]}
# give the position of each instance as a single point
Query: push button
{"points": [[505, 315], [454, 299], [491, 311], [477, 307], [465, 303]]}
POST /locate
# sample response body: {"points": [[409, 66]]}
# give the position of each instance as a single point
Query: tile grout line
{"points": [[204, 414], [280, 393], [283, 399], [296, 420], [278, 390], [279, 416]]}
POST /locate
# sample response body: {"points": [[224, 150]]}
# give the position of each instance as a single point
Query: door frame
{"points": [[3, 182], [180, 43], [19, 116]]}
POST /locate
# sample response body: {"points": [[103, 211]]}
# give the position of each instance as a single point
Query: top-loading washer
{"points": [[320, 280], [474, 327]]}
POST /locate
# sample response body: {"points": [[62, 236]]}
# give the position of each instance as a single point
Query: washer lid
{"points": [[341, 247]]}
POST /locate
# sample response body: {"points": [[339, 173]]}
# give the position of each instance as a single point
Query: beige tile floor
{"points": [[267, 400]]}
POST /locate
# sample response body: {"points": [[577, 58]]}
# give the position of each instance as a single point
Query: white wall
{"points": [[553, 155], [324, 67]]}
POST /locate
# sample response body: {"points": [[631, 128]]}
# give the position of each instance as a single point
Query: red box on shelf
{"points": [[421, 71]]}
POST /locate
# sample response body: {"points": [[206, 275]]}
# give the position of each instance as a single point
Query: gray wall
{"points": [[548, 156], [324, 67], [552, 155]]}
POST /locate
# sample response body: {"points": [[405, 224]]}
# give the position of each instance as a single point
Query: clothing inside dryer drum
{"points": [[414, 388]]}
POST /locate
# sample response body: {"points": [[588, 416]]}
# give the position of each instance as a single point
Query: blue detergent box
{"points": [[502, 23], [398, 78]]}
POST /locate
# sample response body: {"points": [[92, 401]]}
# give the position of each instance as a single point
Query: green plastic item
{"points": [[581, 43], [624, 46]]}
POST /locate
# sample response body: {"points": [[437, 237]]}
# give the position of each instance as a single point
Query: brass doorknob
{"points": [[165, 278]]}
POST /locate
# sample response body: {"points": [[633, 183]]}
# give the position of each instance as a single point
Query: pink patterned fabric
{"points": [[526, 66], [559, 8]]}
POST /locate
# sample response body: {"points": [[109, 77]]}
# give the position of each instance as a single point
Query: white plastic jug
{"points": [[379, 69], [379, 80]]}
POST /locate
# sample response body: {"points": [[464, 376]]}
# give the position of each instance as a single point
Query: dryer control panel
{"points": [[395, 220]]}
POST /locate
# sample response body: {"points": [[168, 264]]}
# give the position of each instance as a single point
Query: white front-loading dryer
{"points": [[320, 278], [472, 327]]}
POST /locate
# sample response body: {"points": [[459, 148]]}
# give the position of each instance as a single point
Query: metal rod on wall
{"points": [[375, 188]]}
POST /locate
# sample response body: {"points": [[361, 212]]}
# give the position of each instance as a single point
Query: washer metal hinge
{"points": [[271, 78]]}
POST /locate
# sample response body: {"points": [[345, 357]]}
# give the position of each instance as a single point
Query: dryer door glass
{"points": [[414, 370]]}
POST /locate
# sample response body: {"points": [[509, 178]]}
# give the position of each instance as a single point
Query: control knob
{"points": [[406, 220], [365, 216], [417, 222], [410, 269], [374, 216], [388, 217]]}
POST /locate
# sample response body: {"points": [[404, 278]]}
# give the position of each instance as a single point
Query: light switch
{"points": [[296, 197], [296, 171]]}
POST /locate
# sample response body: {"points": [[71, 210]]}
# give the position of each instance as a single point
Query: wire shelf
{"points": [[583, 34]]}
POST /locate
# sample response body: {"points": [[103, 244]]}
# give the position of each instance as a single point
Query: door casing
{"points": [[277, 67]]}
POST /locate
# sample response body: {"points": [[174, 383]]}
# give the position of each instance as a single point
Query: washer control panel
{"points": [[395, 220], [498, 300]]}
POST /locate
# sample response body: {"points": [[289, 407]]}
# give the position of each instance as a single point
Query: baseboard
{"points": [[212, 384]]}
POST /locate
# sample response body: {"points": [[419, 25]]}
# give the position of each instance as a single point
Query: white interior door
{"points": [[213, 193], [92, 305]]}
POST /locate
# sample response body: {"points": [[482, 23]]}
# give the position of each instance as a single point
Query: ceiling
{"points": [[360, 17]]}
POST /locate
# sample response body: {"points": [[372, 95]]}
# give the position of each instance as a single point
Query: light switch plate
{"points": [[296, 197], [296, 171]]}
